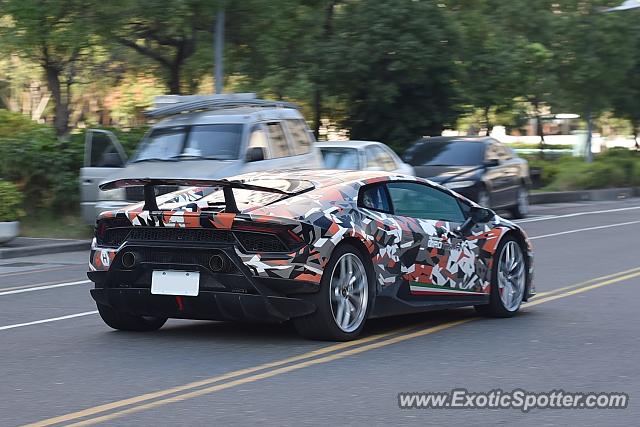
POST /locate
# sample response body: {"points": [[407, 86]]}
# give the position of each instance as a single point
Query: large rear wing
{"points": [[149, 184]]}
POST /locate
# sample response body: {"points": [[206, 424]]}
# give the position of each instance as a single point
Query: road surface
{"points": [[60, 365]]}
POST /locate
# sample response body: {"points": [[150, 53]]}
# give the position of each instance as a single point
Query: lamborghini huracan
{"points": [[325, 249]]}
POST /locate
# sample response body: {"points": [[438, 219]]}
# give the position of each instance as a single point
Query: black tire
{"points": [[496, 308], [321, 325], [128, 322], [520, 209], [482, 195]]}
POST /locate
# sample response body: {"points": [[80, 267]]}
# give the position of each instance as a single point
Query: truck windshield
{"points": [[219, 141]]}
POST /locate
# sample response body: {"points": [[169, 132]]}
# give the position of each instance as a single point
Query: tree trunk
{"points": [[60, 104], [174, 78], [317, 112], [539, 128], [317, 94], [634, 124], [487, 122], [588, 153]]}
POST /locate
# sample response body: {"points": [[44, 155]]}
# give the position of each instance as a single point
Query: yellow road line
{"points": [[381, 341], [161, 393], [586, 282], [269, 374], [583, 289]]}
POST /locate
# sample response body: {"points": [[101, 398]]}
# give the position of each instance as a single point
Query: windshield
{"points": [[340, 158], [446, 153], [220, 141]]}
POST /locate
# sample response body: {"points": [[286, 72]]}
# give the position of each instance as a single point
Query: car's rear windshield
{"points": [[217, 141], [445, 153], [340, 158]]}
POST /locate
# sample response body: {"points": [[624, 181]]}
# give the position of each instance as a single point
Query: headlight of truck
{"points": [[458, 184], [116, 194]]}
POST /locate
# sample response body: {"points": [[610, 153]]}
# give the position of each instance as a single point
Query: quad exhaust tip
{"points": [[217, 263], [129, 260]]}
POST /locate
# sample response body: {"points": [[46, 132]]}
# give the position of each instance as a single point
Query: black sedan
{"points": [[480, 168]]}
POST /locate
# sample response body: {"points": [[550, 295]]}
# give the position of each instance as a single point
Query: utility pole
{"points": [[219, 47]]}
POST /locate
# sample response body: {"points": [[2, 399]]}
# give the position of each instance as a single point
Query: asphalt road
{"points": [[60, 365]]}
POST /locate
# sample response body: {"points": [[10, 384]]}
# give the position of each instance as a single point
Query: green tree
{"points": [[595, 55], [167, 32], [57, 35], [392, 65]]}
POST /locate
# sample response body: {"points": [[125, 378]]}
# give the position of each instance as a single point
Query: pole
{"points": [[219, 46]]}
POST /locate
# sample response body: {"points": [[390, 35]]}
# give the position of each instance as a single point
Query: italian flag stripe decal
{"points": [[430, 289]]}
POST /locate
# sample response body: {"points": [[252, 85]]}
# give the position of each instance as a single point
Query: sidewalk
{"points": [[27, 246]]}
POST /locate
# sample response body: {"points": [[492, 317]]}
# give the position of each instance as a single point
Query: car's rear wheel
{"points": [[521, 208], [129, 322], [344, 300], [508, 280]]}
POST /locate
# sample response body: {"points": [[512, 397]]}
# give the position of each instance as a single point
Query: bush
{"points": [[44, 167], [616, 168], [10, 202]]}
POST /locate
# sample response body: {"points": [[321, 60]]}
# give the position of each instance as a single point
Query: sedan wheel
{"points": [[484, 199], [521, 208], [508, 281]]}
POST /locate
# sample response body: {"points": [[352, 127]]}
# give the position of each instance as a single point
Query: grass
{"points": [[64, 227]]}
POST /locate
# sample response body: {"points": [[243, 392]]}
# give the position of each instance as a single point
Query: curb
{"points": [[606, 194], [53, 248]]}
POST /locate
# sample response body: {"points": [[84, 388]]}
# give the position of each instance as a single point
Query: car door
{"points": [[103, 156], [496, 175], [271, 137], [510, 174], [436, 261]]}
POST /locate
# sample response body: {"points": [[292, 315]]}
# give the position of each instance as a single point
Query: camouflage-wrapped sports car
{"points": [[328, 249]]}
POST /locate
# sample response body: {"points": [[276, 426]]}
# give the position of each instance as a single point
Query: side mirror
{"points": [[255, 154], [477, 215], [491, 163]]}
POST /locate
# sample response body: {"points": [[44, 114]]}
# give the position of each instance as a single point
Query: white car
{"points": [[362, 155]]}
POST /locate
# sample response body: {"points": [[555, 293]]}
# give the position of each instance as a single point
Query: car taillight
{"points": [[284, 232], [104, 225]]}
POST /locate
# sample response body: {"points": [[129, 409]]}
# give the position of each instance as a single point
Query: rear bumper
{"points": [[206, 306], [231, 294]]}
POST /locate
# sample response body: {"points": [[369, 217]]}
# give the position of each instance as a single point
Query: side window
{"points": [[375, 197], [258, 138], [277, 140], [300, 137], [103, 152], [371, 158], [384, 159], [379, 159], [424, 202], [491, 152], [503, 152]]}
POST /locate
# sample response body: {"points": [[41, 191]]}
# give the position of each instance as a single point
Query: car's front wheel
{"points": [[508, 280], [129, 322], [344, 300]]}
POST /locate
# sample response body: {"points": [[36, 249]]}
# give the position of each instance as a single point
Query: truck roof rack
{"points": [[170, 105]]}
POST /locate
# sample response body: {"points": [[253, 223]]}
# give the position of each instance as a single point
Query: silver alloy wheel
{"points": [[511, 276], [523, 201], [483, 199], [349, 292]]}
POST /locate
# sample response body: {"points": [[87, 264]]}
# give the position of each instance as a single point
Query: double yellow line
{"points": [[327, 354]]}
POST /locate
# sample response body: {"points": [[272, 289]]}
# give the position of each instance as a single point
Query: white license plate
{"points": [[172, 282]]}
